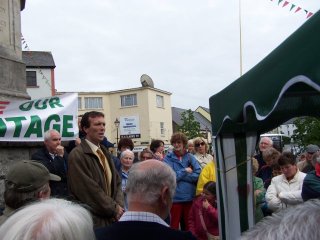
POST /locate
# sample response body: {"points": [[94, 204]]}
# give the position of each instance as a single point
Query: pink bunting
{"points": [[285, 3]]}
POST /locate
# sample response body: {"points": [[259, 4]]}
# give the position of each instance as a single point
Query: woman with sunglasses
{"points": [[201, 149]]}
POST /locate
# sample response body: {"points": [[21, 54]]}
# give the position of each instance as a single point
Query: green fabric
{"points": [[283, 85], [258, 185]]}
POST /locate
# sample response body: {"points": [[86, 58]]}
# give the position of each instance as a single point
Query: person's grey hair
{"points": [[125, 153], [145, 184], [315, 158], [190, 141], [49, 219], [47, 134], [289, 224], [268, 138], [15, 199]]}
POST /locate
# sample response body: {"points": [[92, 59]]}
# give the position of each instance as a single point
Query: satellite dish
{"points": [[146, 81]]}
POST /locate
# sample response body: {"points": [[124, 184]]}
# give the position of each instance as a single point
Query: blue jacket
{"points": [[186, 182]]}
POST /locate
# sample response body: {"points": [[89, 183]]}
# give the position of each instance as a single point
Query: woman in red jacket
{"points": [[203, 215]]}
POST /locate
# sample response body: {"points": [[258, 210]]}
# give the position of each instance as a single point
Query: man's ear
{"points": [[165, 195]]}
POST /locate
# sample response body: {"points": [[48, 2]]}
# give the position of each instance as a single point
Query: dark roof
{"points": [[176, 118], [38, 59]]}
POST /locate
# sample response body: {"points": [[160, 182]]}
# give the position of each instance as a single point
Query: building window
{"points": [[160, 101], [79, 103], [93, 102], [32, 79], [162, 130], [129, 100]]}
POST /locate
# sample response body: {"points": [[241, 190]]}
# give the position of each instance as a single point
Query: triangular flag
{"points": [[279, 2], [298, 9], [292, 7], [285, 4], [309, 14]]}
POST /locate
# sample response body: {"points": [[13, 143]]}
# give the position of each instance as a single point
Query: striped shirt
{"points": [[143, 217]]}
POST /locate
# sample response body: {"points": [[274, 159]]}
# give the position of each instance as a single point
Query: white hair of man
{"points": [[126, 152], [289, 224], [47, 134], [267, 139], [145, 182], [49, 219]]}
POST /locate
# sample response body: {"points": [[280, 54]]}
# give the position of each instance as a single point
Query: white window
{"points": [[129, 100], [93, 102], [162, 130], [159, 100], [79, 103]]}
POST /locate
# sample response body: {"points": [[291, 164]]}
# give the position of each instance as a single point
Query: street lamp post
{"points": [[117, 123]]}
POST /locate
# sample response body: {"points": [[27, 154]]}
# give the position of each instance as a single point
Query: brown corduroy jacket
{"points": [[87, 184]]}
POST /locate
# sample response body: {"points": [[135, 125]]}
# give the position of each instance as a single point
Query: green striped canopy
{"points": [[284, 85]]}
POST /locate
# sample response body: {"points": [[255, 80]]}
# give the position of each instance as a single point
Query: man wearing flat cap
{"points": [[26, 181], [306, 165]]}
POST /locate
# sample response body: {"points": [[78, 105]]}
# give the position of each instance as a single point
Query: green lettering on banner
{"points": [[55, 101], [3, 128], [26, 106], [67, 124], [18, 124], [44, 104], [53, 117], [34, 127]]}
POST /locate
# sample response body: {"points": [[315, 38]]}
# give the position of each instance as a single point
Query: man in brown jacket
{"points": [[92, 177]]}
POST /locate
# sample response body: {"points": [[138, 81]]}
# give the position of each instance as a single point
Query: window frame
{"points": [[159, 101], [34, 82], [89, 104], [129, 100]]}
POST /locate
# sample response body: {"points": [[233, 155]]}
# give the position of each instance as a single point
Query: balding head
{"points": [[147, 182]]}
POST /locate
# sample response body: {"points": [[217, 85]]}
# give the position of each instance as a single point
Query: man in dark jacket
{"points": [[311, 183], [53, 156], [150, 189]]}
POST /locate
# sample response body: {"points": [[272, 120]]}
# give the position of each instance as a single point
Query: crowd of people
{"points": [[158, 195]]}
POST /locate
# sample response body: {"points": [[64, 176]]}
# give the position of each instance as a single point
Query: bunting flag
{"points": [[26, 48], [293, 6]]}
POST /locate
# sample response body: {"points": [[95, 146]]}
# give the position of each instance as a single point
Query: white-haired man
{"points": [[53, 156], [150, 189], [265, 143]]}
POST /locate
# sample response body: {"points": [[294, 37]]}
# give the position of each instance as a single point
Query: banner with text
{"points": [[28, 120], [130, 127]]}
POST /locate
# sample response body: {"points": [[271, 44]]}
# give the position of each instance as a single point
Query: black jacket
{"points": [[57, 166], [142, 231]]}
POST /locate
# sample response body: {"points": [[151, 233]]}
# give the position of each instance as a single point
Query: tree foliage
{"points": [[307, 132], [190, 127]]}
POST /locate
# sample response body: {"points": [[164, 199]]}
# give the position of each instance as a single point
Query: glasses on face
{"points": [[198, 144]]}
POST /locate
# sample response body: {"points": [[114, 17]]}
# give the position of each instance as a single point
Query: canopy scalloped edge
{"points": [[291, 82]]}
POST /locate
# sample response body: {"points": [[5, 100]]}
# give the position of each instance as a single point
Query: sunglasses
{"points": [[198, 144]]}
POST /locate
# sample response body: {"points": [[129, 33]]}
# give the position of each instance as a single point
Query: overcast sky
{"points": [[190, 48]]}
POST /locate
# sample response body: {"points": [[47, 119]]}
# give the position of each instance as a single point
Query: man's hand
{"points": [[77, 141], [60, 150], [189, 170], [120, 211]]}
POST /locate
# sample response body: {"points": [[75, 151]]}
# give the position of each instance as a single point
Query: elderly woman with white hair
{"points": [[126, 159], [49, 219]]}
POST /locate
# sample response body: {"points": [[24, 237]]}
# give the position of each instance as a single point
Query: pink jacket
{"points": [[210, 216]]}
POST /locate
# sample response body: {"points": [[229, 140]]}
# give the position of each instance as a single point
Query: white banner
{"points": [[130, 127], [26, 121]]}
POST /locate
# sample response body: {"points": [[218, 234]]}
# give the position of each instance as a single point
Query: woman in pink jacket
{"points": [[203, 215]]}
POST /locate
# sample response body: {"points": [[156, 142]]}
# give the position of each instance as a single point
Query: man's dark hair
{"points": [[85, 123], [155, 144], [286, 158]]}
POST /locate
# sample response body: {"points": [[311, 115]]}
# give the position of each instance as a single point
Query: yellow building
{"points": [[144, 114]]}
